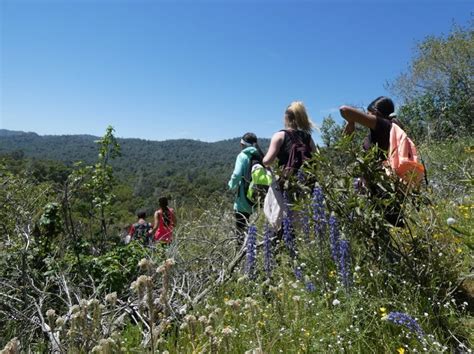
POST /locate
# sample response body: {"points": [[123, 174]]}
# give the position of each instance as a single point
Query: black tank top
{"points": [[285, 148]]}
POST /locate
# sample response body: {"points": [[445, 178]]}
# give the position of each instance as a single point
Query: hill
{"points": [[181, 168]]}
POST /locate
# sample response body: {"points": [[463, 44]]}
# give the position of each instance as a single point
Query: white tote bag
{"points": [[273, 206]]}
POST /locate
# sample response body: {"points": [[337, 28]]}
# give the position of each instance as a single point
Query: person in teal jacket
{"points": [[242, 206]]}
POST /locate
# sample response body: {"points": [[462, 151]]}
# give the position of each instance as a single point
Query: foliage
{"points": [[185, 170], [437, 90]]}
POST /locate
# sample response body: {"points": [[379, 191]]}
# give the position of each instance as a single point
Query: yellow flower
{"points": [[383, 310], [332, 274], [400, 350], [459, 250]]}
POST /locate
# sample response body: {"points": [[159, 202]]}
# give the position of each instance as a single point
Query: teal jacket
{"points": [[241, 165]]}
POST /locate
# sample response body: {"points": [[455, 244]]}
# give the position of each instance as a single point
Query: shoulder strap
{"points": [[294, 138]]}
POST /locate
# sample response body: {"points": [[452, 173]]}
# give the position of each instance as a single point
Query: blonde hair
{"points": [[297, 118]]}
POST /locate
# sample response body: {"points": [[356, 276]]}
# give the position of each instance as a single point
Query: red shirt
{"points": [[164, 233]]}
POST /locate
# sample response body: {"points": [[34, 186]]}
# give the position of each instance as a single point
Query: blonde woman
{"points": [[297, 133]]}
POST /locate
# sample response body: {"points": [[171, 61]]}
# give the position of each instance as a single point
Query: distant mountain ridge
{"points": [[152, 168]]}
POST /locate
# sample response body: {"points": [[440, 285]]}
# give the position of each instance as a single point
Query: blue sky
{"points": [[207, 70]]}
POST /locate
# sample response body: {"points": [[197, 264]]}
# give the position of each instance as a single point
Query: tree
{"points": [[437, 89], [330, 131]]}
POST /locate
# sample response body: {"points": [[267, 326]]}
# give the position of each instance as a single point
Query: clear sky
{"points": [[206, 70]]}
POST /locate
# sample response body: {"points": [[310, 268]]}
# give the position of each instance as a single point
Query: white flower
{"points": [[357, 268], [182, 310], [50, 313], [227, 331], [451, 221], [60, 321], [111, 298], [335, 302]]}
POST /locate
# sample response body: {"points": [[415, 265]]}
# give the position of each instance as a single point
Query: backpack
{"points": [[141, 232], [256, 181], [299, 153], [403, 158]]}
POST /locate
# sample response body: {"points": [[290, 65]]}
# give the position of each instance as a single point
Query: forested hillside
{"points": [[183, 168]]}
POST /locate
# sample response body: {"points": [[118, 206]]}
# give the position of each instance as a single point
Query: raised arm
{"points": [[275, 145], [353, 115]]}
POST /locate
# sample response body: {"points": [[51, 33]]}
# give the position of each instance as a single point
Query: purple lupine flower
{"points": [[288, 227], [251, 251], [357, 183], [267, 250], [345, 262], [300, 176], [319, 214], [298, 273], [402, 319], [304, 218], [334, 238], [310, 287]]}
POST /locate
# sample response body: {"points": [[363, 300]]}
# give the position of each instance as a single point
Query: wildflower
{"points": [[50, 313], [190, 318], [250, 301], [383, 311], [288, 227], [296, 298], [336, 302], [298, 273], [60, 321], [310, 287], [300, 176], [209, 331], [144, 264], [401, 350], [182, 310], [319, 214], [267, 251], [227, 331], [451, 221], [334, 238], [344, 262], [111, 298], [169, 262], [251, 251], [242, 278], [202, 319], [402, 319], [93, 302]]}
